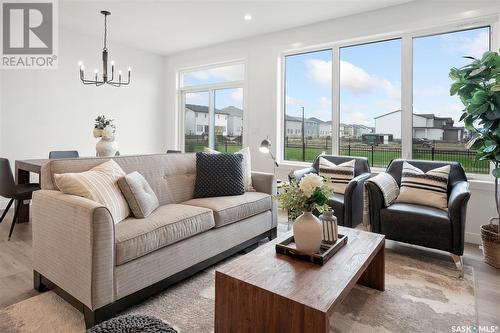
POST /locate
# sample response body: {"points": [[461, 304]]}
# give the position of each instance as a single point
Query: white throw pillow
{"points": [[387, 185], [247, 166], [428, 189], [337, 177], [99, 184]]}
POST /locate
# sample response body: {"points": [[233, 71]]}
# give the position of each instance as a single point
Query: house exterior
{"points": [[425, 126], [228, 121]]}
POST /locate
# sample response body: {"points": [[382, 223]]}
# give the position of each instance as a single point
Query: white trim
{"points": [[406, 97], [335, 100], [472, 238]]}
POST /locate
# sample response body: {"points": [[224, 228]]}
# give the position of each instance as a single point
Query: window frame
{"points": [[210, 89], [406, 38]]}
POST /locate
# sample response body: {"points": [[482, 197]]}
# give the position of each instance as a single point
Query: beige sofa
{"points": [[102, 267]]}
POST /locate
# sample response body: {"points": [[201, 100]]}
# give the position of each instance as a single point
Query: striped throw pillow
{"points": [[336, 176], [99, 184], [424, 188]]}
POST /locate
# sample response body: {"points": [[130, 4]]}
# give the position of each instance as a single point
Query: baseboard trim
{"points": [[472, 238]]}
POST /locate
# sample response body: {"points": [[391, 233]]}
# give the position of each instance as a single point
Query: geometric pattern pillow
{"points": [[247, 165], [337, 177], [140, 196], [387, 185], [218, 175], [99, 184], [424, 188]]}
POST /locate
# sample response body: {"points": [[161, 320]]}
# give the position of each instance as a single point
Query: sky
{"points": [[370, 76]]}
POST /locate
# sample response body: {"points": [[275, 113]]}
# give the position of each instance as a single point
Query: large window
{"points": [[370, 101], [438, 133], [382, 99], [308, 105], [212, 101]]}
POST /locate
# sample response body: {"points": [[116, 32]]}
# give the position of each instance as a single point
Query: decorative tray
{"points": [[326, 251]]}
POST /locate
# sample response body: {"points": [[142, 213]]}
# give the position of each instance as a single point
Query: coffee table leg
{"points": [[374, 275]]}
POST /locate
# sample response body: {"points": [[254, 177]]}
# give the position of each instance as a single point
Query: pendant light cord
{"points": [[105, 32]]}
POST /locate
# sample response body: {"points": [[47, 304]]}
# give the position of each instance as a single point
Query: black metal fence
{"points": [[379, 156]]}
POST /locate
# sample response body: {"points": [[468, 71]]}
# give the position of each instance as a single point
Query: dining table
{"points": [[23, 170]]}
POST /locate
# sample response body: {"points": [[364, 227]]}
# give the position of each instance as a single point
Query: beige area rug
{"points": [[423, 294]]}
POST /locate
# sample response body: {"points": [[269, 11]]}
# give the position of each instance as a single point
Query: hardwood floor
{"points": [[16, 274]]}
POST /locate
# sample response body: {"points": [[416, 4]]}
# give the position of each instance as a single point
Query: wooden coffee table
{"points": [[268, 292]]}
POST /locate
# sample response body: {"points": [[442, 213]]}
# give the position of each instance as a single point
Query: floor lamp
{"points": [[265, 148]]}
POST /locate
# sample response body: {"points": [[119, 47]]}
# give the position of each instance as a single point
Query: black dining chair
{"points": [[63, 154], [10, 190]]}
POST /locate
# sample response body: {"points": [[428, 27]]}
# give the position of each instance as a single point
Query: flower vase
{"points": [[106, 147], [307, 232]]}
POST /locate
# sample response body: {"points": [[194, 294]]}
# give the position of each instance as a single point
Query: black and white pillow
{"points": [[218, 175], [424, 188], [337, 177]]}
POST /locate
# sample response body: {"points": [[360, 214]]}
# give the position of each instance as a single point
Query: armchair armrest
{"points": [[298, 174], [353, 200], [73, 246], [375, 204], [457, 210]]}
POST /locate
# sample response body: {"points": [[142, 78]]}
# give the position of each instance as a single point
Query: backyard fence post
{"points": [[349, 149], [432, 153], [372, 155], [226, 143]]}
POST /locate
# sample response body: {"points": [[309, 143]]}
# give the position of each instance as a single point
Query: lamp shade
{"points": [[265, 146]]}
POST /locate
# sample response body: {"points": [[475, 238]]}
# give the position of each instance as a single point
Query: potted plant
{"points": [[105, 129], [307, 195], [478, 86]]}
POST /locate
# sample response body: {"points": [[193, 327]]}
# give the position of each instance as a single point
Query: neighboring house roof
{"points": [[230, 110], [386, 114]]}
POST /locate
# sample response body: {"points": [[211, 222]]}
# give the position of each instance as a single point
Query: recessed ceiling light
{"points": [[248, 17]]}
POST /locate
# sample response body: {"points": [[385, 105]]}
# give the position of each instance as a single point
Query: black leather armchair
{"points": [[349, 206], [423, 225]]}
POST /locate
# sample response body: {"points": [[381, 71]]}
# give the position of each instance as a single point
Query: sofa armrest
{"points": [[264, 182], [457, 211], [353, 200], [73, 246], [375, 204], [298, 174]]}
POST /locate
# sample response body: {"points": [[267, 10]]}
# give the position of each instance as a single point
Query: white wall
{"points": [[263, 78], [52, 110]]}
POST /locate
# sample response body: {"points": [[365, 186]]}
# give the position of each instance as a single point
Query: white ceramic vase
{"points": [[106, 147], [307, 232]]}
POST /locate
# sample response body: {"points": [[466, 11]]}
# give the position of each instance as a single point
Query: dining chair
{"points": [[10, 190], [63, 154]]}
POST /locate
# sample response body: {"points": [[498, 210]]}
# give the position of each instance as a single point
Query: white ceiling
{"points": [[166, 27]]}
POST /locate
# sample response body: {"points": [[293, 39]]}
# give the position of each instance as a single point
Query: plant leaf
{"points": [[496, 172]]}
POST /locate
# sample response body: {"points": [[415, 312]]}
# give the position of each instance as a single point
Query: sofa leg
{"points": [[37, 282], [273, 233], [459, 262], [90, 318], [250, 248]]}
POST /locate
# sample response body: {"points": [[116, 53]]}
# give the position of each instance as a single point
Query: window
{"points": [[213, 108], [221, 74], [308, 105], [370, 101], [369, 117], [438, 133]]}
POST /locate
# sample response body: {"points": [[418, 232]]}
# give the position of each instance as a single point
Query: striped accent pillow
{"points": [[428, 189], [99, 184], [337, 177]]}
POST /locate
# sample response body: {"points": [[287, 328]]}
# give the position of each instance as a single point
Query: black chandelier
{"points": [[105, 78]]}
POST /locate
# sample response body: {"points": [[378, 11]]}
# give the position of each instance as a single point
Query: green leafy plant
{"points": [[308, 194], [478, 86]]}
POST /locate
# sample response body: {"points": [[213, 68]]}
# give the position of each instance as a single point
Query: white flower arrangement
{"points": [[309, 183], [104, 128], [308, 194]]}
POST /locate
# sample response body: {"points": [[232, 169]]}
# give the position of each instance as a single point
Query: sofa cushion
{"points": [[230, 209], [168, 224], [218, 175], [141, 198], [416, 224], [337, 177]]}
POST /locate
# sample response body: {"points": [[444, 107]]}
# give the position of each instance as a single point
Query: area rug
{"points": [[423, 294]]}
